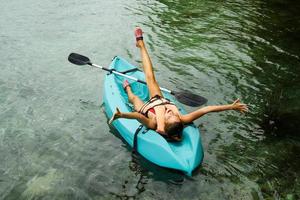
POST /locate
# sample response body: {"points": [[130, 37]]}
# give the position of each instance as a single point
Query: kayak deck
{"points": [[185, 155]]}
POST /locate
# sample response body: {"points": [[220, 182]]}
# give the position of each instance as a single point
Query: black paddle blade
{"points": [[189, 98], [78, 59]]}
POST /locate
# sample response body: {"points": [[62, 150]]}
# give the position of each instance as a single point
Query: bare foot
{"points": [[126, 85]]}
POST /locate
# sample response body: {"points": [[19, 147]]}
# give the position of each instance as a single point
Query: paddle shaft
{"points": [[127, 76]]}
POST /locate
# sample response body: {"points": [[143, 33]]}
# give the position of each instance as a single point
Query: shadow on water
{"points": [[146, 170], [282, 112], [141, 166]]}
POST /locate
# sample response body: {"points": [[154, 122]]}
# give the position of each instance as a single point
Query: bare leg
{"points": [[135, 100], [148, 69]]}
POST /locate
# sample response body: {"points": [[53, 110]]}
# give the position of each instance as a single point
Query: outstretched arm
{"points": [[133, 115], [236, 105]]}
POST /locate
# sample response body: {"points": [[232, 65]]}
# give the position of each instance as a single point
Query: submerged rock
{"points": [[39, 186]]}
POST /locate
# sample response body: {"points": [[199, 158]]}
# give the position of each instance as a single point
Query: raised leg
{"points": [[147, 66]]}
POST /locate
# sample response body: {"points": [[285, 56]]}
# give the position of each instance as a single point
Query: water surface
{"points": [[55, 142]]}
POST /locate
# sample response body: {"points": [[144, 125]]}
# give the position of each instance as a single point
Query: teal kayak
{"points": [[184, 156]]}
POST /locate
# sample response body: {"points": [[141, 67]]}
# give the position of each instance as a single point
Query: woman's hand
{"points": [[237, 105], [116, 115]]}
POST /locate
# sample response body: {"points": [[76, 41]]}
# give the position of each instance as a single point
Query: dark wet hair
{"points": [[174, 129]]}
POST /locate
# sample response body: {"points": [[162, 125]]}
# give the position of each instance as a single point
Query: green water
{"points": [[55, 142]]}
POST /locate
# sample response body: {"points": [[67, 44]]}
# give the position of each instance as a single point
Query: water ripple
{"points": [[54, 137]]}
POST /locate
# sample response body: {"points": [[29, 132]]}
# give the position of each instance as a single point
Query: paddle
{"points": [[184, 97]]}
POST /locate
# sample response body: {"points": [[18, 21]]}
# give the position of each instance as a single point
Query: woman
{"points": [[159, 113]]}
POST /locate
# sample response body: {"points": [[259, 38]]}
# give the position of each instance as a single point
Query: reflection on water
{"points": [[54, 138]]}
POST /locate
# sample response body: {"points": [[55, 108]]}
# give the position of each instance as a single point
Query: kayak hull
{"points": [[184, 156]]}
